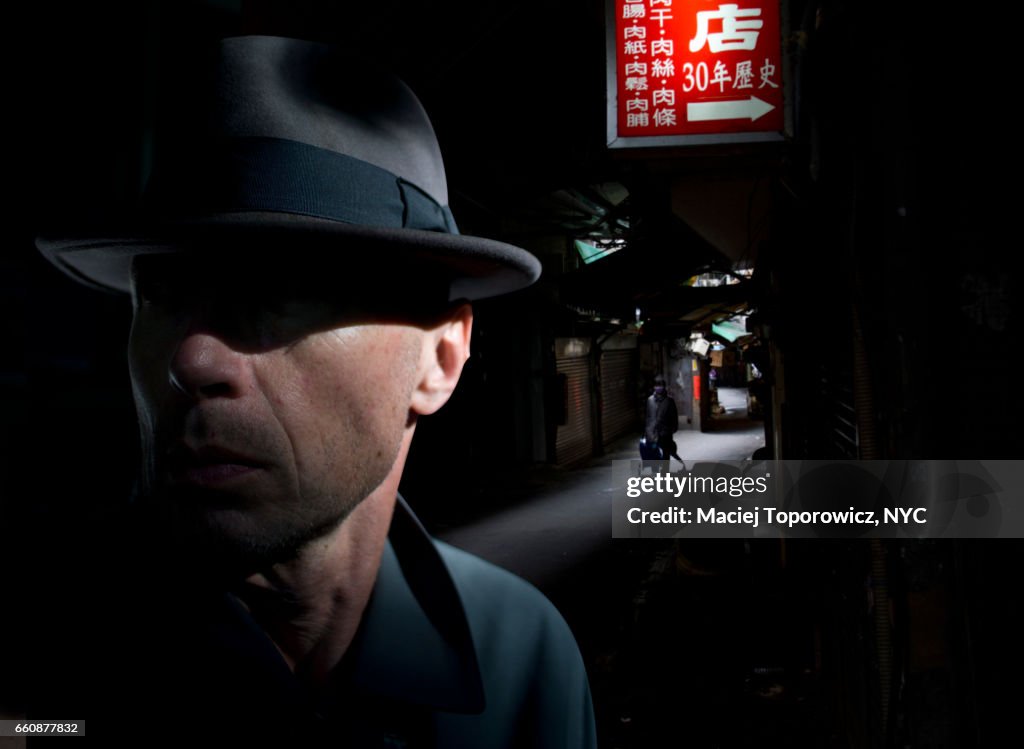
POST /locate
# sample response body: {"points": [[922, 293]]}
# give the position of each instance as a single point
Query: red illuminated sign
{"points": [[695, 68]]}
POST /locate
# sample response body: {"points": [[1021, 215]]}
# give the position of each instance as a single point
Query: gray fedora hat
{"points": [[304, 148]]}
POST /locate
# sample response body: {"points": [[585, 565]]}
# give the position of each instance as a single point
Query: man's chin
{"points": [[222, 533]]}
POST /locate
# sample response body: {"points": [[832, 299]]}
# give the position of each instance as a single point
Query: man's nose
{"points": [[205, 365]]}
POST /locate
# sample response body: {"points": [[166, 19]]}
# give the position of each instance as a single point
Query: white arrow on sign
{"points": [[736, 109]]}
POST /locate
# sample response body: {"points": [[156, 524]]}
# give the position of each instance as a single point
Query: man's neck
{"points": [[311, 606]]}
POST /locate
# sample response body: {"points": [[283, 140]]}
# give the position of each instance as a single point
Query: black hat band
{"points": [[272, 174]]}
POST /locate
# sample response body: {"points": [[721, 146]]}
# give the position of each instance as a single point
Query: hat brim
{"points": [[478, 268]]}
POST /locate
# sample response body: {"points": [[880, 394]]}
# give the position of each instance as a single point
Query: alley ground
{"points": [[554, 535]]}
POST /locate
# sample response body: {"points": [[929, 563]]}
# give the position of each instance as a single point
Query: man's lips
{"points": [[209, 465]]}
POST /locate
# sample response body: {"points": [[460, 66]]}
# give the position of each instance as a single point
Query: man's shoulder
{"points": [[532, 672], [499, 599], [513, 623]]}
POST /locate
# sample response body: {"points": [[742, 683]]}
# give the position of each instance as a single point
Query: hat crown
{"points": [[308, 92]]}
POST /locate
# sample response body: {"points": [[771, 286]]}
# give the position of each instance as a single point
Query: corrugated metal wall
{"points": [[619, 414], [575, 441]]}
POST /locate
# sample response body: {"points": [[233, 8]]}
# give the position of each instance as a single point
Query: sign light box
{"points": [[693, 72]]}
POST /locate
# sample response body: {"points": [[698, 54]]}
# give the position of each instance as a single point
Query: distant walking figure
{"points": [[661, 423]]}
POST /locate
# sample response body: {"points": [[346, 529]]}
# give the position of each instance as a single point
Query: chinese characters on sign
{"points": [[696, 67]]}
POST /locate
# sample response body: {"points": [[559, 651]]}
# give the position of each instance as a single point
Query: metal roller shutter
{"points": [[619, 413], [574, 441]]}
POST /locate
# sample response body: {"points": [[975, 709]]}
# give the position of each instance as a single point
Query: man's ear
{"points": [[445, 351]]}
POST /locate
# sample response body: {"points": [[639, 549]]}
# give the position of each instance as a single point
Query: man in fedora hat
{"points": [[301, 297]]}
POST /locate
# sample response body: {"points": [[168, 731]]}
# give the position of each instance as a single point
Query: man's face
{"points": [[270, 401]]}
